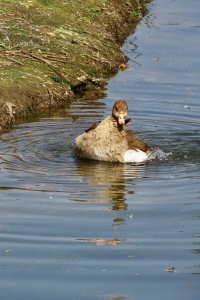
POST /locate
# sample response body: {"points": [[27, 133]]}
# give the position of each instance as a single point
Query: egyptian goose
{"points": [[110, 140]]}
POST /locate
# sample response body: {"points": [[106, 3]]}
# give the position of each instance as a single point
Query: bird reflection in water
{"points": [[111, 182], [118, 298]]}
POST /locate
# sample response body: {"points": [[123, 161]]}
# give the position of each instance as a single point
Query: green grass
{"points": [[50, 44]]}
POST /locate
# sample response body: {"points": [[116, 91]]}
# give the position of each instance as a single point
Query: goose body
{"points": [[110, 140]]}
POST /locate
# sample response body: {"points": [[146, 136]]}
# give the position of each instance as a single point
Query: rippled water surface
{"points": [[72, 229]]}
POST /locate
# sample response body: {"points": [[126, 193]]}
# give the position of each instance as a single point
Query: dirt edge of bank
{"points": [[45, 64]]}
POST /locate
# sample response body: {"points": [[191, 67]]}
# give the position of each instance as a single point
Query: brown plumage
{"points": [[110, 140], [134, 143], [94, 125]]}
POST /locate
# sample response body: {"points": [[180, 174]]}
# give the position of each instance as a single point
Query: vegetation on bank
{"points": [[50, 50]]}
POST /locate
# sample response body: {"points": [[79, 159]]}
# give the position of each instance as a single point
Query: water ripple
{"points": [[73, 229]]}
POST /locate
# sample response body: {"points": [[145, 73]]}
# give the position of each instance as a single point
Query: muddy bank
{"points": [[53, 51]]}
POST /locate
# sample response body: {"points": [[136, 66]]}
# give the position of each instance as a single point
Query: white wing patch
{"points": [[136, 156]]}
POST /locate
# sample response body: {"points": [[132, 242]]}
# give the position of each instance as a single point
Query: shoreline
{"points": [[51, 54]]}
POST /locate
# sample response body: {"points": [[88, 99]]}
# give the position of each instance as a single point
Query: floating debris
{"points": [[156, 58], [119, 221], [171, 270], [123, 67], [131, 216], [8, 251], [102, 242]]}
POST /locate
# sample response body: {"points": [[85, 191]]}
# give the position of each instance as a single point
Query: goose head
{"points": [[119, 112]]}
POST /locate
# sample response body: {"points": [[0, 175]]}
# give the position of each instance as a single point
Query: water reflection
{"points": [[111, 181], [118, 298], [150, 20]]}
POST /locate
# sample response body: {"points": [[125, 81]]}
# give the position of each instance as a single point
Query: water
{"points": [[74, 229]]}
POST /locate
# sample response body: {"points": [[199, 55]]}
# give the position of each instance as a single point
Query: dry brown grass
{"points": [[48, 49]]}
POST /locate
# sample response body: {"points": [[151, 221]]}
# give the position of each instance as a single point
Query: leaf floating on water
{"points": [[102, 242], [171, 270]]}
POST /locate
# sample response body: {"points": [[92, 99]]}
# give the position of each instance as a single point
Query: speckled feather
{"points": [[110, 141]]}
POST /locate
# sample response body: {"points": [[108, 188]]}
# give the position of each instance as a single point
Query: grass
{"points": [[51, 44]]}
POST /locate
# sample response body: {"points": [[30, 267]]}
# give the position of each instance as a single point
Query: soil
{"points": [[53, 51]]}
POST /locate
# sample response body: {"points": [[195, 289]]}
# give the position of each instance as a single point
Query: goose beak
{"points": [[121, 119]]}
